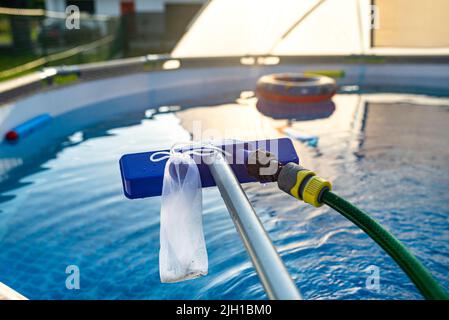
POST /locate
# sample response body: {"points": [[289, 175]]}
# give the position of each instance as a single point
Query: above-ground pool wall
{"points": [[140, 91], [128, 93], [408, 77], [415, 76]]}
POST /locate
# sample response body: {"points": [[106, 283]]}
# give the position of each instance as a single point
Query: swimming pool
{"points": [[63, 203]]}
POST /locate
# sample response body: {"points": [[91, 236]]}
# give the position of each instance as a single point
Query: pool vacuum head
{"points": [[142, 177]]}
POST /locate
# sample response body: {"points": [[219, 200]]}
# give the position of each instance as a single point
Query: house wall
{"points": [[149, 6], [55, 5], [109, 7]]}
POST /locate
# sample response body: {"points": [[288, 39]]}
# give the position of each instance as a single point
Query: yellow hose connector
{"points": [[300, 176], [302, 184], [313, 190]]}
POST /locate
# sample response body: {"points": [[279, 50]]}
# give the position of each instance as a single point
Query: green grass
{"points": [[10, 60]]}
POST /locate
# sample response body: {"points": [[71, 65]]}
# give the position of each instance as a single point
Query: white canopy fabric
{"points": [[285, 27]]}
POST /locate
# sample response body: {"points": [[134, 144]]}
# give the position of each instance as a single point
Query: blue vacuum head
{"points": [[143, 177]]}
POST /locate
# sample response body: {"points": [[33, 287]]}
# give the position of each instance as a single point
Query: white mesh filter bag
{"points": [[183, 252]]}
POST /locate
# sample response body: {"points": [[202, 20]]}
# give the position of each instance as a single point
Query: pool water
{"points": [[61, 202]]}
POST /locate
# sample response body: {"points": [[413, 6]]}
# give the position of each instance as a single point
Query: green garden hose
{"points": [[305, 185], [419, 275]]}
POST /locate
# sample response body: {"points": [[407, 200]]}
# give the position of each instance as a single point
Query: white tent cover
{"points": [[285, 27]]}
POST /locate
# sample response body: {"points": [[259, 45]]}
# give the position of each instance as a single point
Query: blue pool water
{"points": [[62, 204]]}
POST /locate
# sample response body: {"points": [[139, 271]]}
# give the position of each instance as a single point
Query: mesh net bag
{"points": [[183, 252]]}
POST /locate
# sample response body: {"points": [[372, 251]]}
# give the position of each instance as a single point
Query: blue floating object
{"points": [[310, 140], [28, 127], [143, 178], [313, 142]]}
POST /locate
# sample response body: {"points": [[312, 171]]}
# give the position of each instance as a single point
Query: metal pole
{"points": [[271, 270]]}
